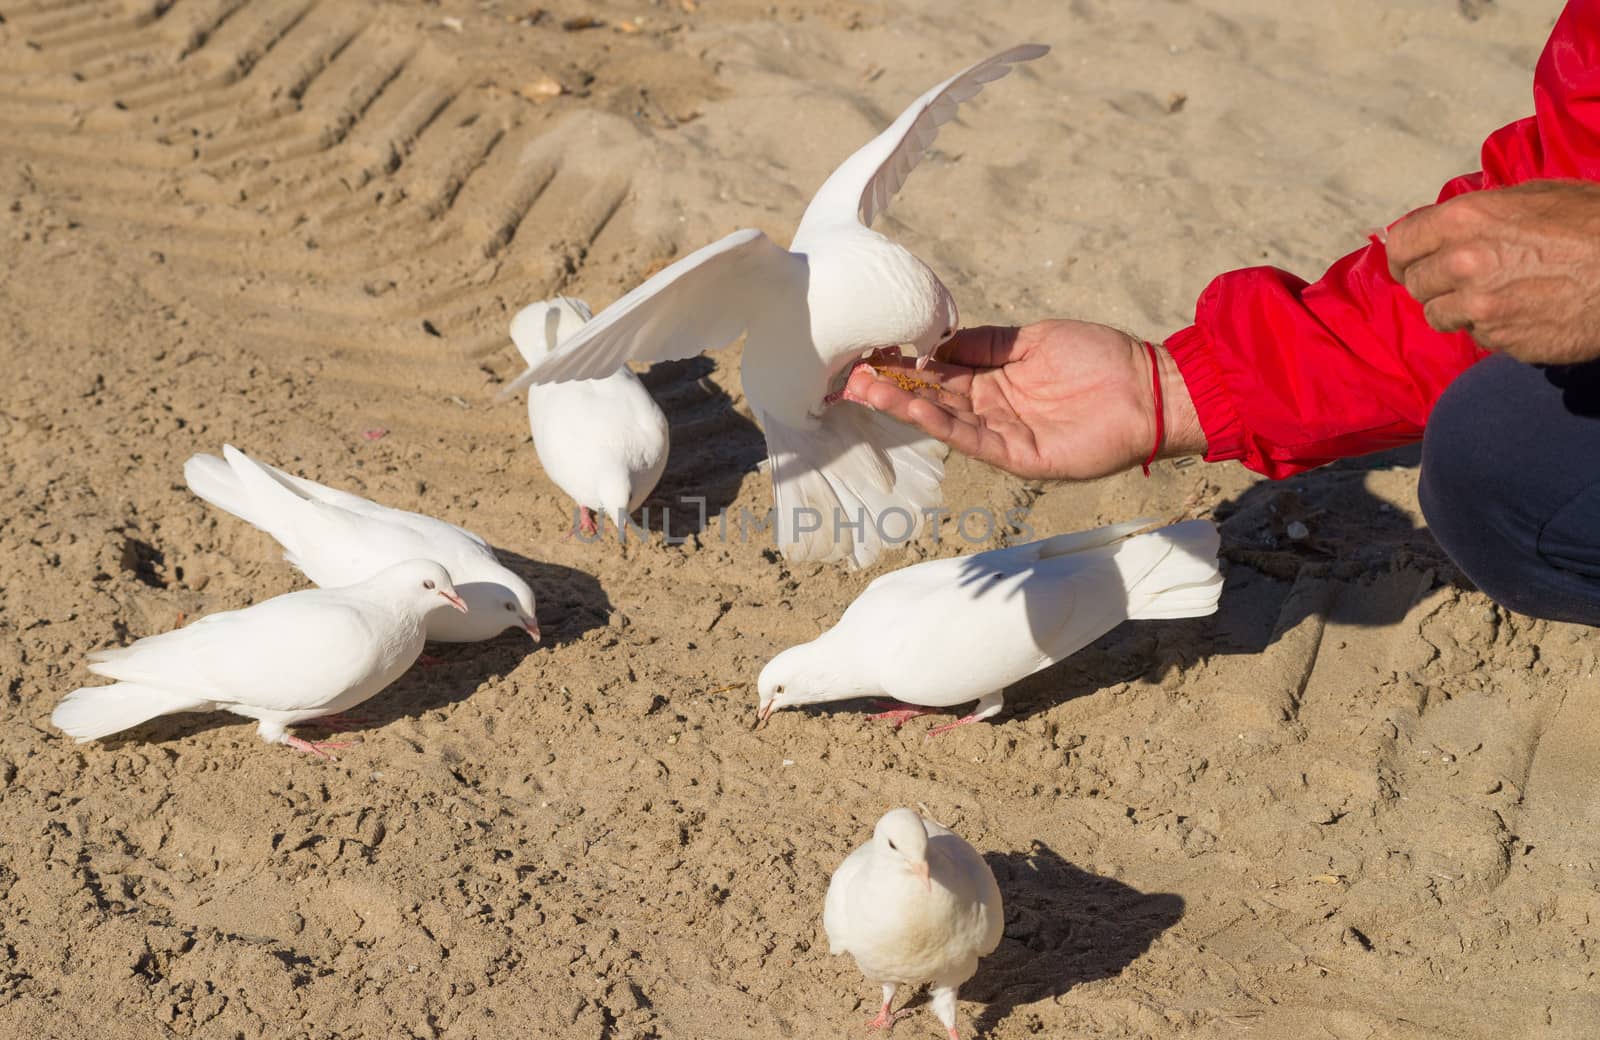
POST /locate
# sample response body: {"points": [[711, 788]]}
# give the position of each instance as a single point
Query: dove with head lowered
{"points": [[336, 538], [846, 480], [285, 660], [949, 631], [914, 905], [602, 441]]}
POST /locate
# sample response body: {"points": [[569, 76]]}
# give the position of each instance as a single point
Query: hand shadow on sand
{"points": [[714, 448], [570, 603], [1064, 926], [1360, 562]]}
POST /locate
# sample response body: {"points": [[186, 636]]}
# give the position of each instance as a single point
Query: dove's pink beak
{"points": [[531, 626], [766, 711], [921, 870], [454, 600]]}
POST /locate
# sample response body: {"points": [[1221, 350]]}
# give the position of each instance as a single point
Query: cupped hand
{"points": [[1517, 268], [1055, 399]]}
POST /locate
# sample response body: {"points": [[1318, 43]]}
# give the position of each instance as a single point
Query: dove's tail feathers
{"points": [[214, 480], [852, 484], [99, 711], [1172, 573]]}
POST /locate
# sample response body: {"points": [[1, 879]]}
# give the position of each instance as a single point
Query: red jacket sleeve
{"points": [[1287, 375]]}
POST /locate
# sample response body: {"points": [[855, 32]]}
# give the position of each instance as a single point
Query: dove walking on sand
{"points": [[336, 539], [914, 905], [846, 480], [602, 441], [949, 631], [295, 657]]}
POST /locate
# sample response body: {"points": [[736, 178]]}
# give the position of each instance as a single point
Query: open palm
{"points": [[1056, 399]]}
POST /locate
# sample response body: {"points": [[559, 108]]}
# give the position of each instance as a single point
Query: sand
{"points": [[1359, 802]]}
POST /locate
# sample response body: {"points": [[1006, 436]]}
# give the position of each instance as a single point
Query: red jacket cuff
{"points": [[1219, 420]]}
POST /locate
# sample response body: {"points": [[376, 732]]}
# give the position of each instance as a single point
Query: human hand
{"points": [[1056, 399], [1518, 268]]}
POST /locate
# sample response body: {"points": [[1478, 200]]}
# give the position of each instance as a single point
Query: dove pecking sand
{"points": [[336, 538], [949, 631]]}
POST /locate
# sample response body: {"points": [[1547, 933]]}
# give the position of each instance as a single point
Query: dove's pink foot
{"points": [[586, 522], [965, 721], [320, 748], [886, 1018], [900, 713], [429, 661]]}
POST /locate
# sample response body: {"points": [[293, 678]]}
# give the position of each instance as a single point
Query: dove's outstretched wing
{"points": [[704, 301], [862, 186]]}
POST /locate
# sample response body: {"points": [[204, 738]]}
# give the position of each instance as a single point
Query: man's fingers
{"points": [[1417, 236], [1448, 313], [1430, 277], [954, 378], [970, 438], [883, 395], [986, 346]]}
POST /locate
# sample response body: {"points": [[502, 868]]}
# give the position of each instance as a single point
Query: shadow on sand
{"points": [[1064, 926]]}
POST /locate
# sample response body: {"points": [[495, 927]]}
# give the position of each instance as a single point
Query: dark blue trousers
{"points": [[1511, 484]]}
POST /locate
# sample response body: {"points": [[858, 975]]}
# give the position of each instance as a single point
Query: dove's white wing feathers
{"points": [[1009, 613], [862, 186], [291, 653], [836, 921], [702, 302], [334, 537], [428, 527], [854, 482], [969, 874]]}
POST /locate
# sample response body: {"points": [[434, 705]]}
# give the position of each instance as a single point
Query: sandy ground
{"points": [[1359, 802]]}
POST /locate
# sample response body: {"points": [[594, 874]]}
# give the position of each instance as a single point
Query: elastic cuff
{"points": [[1219, 421]]}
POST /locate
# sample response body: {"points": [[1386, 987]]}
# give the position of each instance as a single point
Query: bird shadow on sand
{"points": [[1064, 926], [570, 603], [714, 448]]}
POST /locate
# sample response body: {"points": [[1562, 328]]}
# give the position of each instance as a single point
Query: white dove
{"points": [[602, 441], [336, 539], [299, 656], [915, 904], [845, 479], [949, 631]]}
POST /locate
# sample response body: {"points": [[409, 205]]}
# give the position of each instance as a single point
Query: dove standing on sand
{"points": [[337, 539], [294, 657], [915, 904], [845, 479], [602, 441], [949, 631]]}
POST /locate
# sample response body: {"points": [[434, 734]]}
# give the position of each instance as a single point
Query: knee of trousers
{"points": [[1469, 494]]}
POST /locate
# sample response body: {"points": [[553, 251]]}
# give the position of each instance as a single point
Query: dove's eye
{"points": [[510, 607], [428, 584], [892, 845], [777, 689]]}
